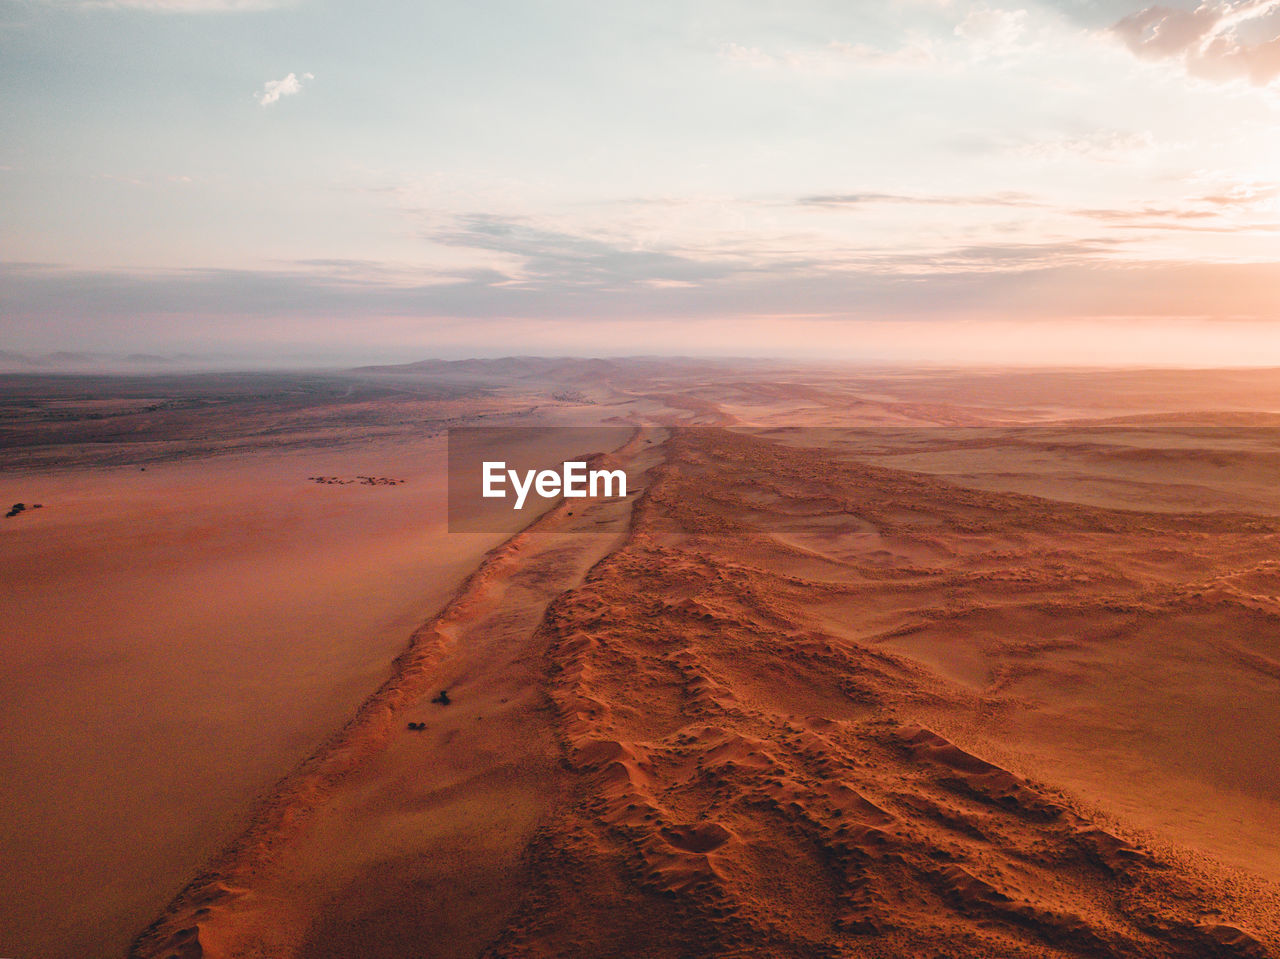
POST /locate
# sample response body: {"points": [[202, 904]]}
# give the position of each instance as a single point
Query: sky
{"points": [[317, 182]]}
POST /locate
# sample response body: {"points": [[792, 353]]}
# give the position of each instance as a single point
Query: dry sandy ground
{"points": [[174, 640], [178, 632], [991, 682]]}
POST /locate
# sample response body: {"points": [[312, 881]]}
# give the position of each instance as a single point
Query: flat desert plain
{"points": [[882, 663]]}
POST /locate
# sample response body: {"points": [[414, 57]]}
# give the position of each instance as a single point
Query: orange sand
{"points": [[997, 694]]}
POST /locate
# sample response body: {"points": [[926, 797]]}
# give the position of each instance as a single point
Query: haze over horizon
{"points": [[942, 181]]}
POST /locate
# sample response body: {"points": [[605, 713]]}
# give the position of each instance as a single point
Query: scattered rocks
{"points": [[417, 727], [17, 508], [354, 480], [573, 396], [443, 698]]}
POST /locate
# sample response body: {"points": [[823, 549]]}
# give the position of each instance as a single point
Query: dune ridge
{"points": [[297, 797], [753, 786], [749, 757], [227, 907]]}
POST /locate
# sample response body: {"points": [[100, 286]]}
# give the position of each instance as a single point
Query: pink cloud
{"points": [[1210, 40]]}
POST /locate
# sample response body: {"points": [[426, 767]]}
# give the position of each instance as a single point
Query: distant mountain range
{"points": [[507, 367]]}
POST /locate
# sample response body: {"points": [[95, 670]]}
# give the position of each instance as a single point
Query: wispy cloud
{"points": [[1018, 282], [1231, 207], [1142, 216], [831, 59], [1108, 146], [273, 90], [571, 261], [1210, 40], [177, 6], [1243, 194], [992, 32], [979, 33], [752, 57], [862, 199]]}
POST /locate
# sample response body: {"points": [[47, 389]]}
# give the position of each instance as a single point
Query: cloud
{"points": [[50, 305], [861, 199], [993, 32], [1228, 207], [978, 33], [838, 55], [834, 58], [988, 260], [1108, 146], [548, 274], [1141, 216], [569, 261], [1218, 41], [273, 90], [752, 57], [178, 6], [1243, 194]]}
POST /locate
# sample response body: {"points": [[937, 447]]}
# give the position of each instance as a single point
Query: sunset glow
{"points": [[322, 182]]}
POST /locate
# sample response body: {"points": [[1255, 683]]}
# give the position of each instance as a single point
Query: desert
{"points": [[640, 480], [867, 662]]}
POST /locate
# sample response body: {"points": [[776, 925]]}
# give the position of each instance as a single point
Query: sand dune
{"points": [[760, 777], [766, 746], [446, 811], [995, 677]]}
